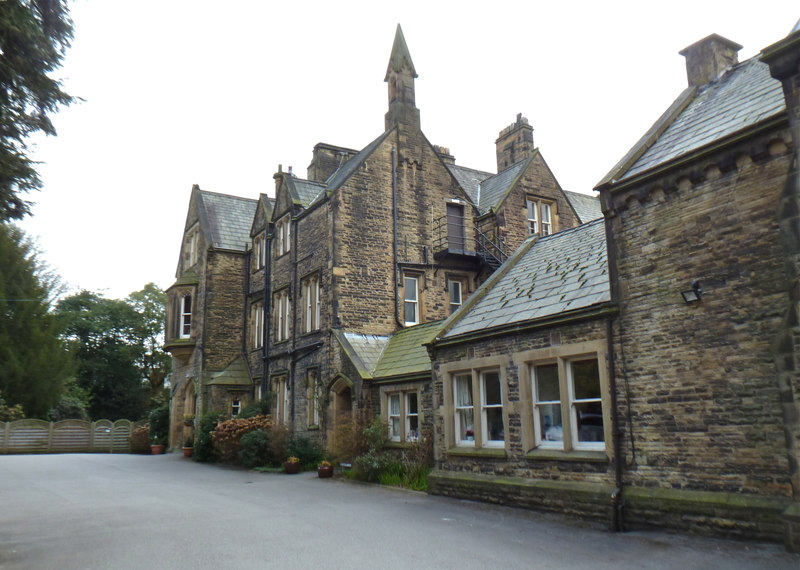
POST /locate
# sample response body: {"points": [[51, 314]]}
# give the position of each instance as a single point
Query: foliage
{"points": [[278, 442], [34, 36], [10, 413], [262, 407], [115, 344], [203, 444], [149, 305], [254, 449], [159, 424], [308, 451], [370, 465], [227, 436], [35, 363], [376, 434], [189, 442], [348, 438], [68, 408], [140, 439]]}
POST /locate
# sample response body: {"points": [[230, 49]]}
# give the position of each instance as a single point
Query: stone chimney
{"points": [[514, 143], [326, 159], [707, 59], [444, 154]]}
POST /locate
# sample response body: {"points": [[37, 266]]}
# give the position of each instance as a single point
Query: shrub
{"points": [[279, 443], [203, 445], [68, 408], [307, 450], [227, 435], [262, 407], [254, 449], [159, 424], [348, 438], [140, 439], [370, 465], [10, 413]]}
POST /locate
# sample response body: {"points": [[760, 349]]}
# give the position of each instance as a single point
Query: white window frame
{"points": [[185, 321], [565, 356], [192, 241], [280, 393], [284, 234], [455, 285], [400, 417], [236, 407], [257, 324], [311, 310], [540, 216], [486, 407], [282, 315], [411, 283], [259, 252], [468, 379]]}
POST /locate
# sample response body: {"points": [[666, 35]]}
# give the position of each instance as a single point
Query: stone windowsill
{"points": [[488, 452], [560, 455]]}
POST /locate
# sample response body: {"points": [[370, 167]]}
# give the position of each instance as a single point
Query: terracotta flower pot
{"points": [[157, 448], [325, 471], [187, 451], [291, 467]]}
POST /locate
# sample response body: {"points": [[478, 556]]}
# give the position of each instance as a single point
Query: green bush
{"points": [[159, 424], [370, 465], [306, 450], [203, 445], [262, 407], [228, 434], [68, 408], [254, 450]]}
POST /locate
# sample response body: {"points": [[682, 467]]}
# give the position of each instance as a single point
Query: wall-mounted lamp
{"points": [[693, 294]]}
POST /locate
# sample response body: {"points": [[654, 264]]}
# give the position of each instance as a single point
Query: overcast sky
{"points": [[178, 92]]}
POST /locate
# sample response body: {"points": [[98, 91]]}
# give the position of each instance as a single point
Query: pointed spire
{"points": [[400, 60], [400, 75]]}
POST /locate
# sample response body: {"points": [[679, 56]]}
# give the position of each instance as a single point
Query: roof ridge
{"points": [[223, 195]]}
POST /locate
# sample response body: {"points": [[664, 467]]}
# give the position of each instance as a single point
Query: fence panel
{"points": [[68, 436]]}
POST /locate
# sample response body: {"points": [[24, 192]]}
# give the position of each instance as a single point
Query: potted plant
{"points": [[157, 446], [188, 420], [292, 465], [325, 469], [188, 447]]}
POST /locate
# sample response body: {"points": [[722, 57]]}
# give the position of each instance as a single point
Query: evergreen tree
{"points": [[34, 364], [154, 364], [34, 36]]}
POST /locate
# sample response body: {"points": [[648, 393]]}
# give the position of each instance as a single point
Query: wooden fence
{"points": [[68, 436]]}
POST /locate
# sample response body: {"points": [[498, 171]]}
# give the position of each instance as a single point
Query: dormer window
{"points": [[283, 235], [186, 316], [259, 252]]}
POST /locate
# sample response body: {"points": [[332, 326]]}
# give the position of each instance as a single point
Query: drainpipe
{"points": [[293, 322], [394, 239], [245, 312], [265, 387], [617, 522]]}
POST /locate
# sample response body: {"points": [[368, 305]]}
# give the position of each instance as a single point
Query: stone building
{"points": [[330, 288], [650, 378]]}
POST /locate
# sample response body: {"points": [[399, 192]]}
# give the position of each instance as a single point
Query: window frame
{"points": [[536, 208], [236, 407], [282, 315], [563, 356], [185, 316], [415, 302], [280, 396], [403, 416], [460, 283], [259, 252], [257, 325], [310, 296], [313, 396], [283, 235]]}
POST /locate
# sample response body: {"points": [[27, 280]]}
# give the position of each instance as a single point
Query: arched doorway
{"points": [[340, 408]]}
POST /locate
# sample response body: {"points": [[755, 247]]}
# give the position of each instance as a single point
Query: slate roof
{"points": [[227, 219], [494, 189], [363, 350], [587, 207], [348, 168], [304, 191], [561, 272], [469, 179], [743, 97], [405, 353]]}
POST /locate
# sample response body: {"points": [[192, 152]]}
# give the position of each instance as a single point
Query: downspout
{"points": [[265, 386], [293, 321], [617, 521], [394, 239], [246, 299]]}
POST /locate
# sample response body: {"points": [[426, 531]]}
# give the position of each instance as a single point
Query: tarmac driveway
{"points": [[134, 511]]}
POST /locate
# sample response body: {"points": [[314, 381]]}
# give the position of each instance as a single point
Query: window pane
{"points": [[394, 405], [491, 383], [463, 390], [394, 428], [550, 423], [455, 292], [494, 424], [410, 312], [545, 213], [546, 377], [590, 421], [410, 285], [466, 425], [585, 379], [411, 403]]}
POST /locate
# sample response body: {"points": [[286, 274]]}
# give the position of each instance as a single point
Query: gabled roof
{"points": [[405, 354], [587, 207], [563, 272], [363, 350], [348, 168], [493, 190], [743, 97], [304, 192], [226, 220]]}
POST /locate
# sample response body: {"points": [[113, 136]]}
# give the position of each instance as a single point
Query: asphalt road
{"points": [[130, 511]]}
